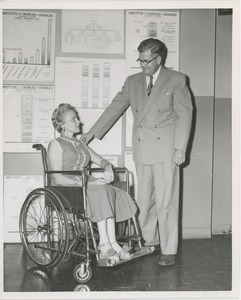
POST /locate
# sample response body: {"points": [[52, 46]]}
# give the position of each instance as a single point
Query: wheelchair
{"points": [[54, 224]]}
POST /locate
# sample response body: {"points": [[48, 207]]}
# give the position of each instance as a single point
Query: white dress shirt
{"points": [[154, 77]]}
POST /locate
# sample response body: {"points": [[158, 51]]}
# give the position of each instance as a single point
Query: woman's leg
{"points": [[102, 228], [104, 243], [112, 238], [110, 222]]}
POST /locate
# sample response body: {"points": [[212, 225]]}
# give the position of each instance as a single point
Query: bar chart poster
{"points": [[88, 83], [27, 112], [28, 46]]}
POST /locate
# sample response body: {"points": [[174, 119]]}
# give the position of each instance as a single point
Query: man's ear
{"points": [[159, 60]]}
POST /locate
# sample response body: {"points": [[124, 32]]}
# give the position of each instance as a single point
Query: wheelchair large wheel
{"points": [[43, 228]]}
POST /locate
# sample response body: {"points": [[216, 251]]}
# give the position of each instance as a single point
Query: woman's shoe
{"points": [[122, 254], [105, 251]]}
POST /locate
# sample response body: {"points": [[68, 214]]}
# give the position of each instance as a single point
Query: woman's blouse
{"points": [[75, 154]]}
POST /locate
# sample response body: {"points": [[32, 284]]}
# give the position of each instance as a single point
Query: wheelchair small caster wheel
{"points": [[82, 288], [82, 273]]}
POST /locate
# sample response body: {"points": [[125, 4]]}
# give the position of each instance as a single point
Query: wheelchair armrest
{"points": [[122, 169], [116, 169], [79, 172], [120, 183]]}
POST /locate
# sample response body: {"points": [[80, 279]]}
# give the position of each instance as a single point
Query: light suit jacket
{"points": [[162, 121]]}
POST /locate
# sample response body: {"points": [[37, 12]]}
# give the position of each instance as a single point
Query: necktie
{"points": [[150, 85]]}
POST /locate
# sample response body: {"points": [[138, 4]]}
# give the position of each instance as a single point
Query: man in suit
{"points": [[162, 111]]}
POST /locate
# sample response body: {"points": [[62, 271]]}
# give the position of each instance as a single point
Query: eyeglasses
{"points": [[146, 62]]}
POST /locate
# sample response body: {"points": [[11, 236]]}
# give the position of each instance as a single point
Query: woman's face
{"points": [[71, 122]]}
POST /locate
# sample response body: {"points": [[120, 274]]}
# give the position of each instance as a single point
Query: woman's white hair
{"points": [[58, 115]]}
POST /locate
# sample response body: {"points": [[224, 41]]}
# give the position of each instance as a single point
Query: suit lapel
{"points": [[158, 86], [141, 92]]}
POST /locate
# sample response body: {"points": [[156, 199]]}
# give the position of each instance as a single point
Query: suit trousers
{"points": [[158, 202]]}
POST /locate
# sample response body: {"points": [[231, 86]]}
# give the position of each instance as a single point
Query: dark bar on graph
{"points": [[43, 50], [37, 56], [20, 57], [95, 87], [49, 42], [85, 85], [106, 84]]}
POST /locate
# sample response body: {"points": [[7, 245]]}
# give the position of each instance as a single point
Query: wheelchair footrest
{"points": [[112, 262], [143, 251], [128, 237]]}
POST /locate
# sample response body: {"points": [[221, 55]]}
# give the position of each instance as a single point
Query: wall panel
{"points": [[197, 61], [197, 46], [222, 168], [222, 174], [197, 176]]}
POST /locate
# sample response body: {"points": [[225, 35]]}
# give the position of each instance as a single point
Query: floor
{"points": [[201, 265]]}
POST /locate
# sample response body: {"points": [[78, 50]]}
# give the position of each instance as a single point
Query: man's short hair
{"points": [[156, 46]]}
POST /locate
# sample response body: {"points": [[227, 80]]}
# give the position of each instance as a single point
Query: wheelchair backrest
{"points": [[44, 155]]}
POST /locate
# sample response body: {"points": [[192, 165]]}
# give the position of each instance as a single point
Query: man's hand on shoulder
{"points": [[87, 137]]}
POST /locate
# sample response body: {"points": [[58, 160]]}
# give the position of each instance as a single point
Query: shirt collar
{"points": [[154, 76]]}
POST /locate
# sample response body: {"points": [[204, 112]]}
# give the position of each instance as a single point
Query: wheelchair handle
{"points": [[37, 146]]}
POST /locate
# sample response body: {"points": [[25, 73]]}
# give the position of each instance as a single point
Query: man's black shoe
{"points": [[167, 260]]}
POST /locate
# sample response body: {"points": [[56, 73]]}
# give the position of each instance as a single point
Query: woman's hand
{"points": [[108, 174], [108, 177]]}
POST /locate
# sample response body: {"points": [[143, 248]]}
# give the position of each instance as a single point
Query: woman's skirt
{"points": [[107, 201]]}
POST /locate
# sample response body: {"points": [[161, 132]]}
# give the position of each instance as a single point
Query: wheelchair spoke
{"points": [[43, 228], [34, 206]]}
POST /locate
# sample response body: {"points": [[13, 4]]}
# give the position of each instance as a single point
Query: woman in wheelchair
{"points": [[105, 204]]}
